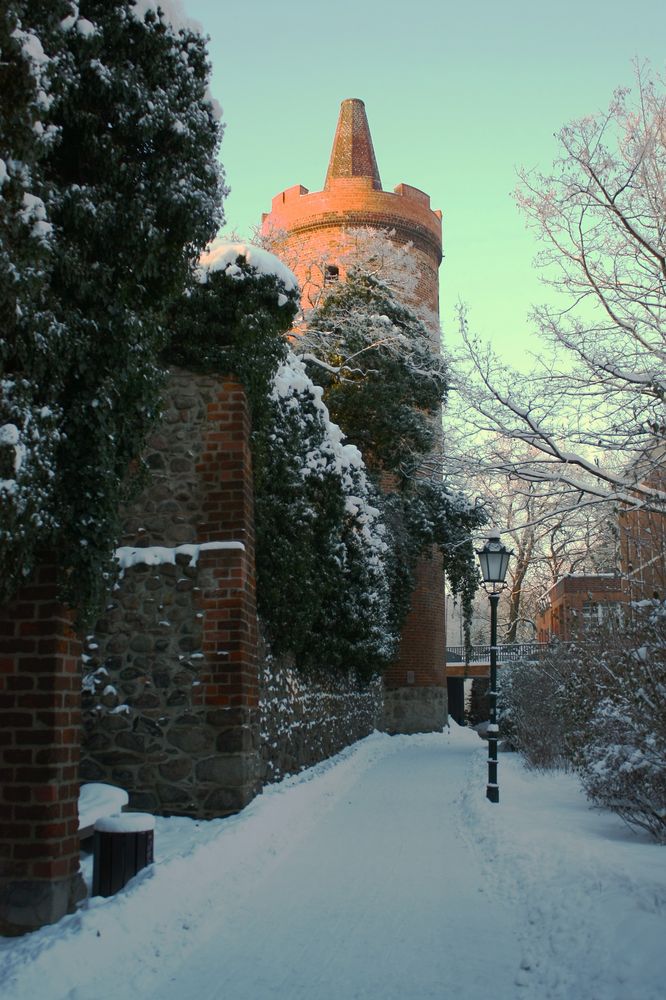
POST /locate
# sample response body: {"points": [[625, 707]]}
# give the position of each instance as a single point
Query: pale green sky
{"points": [[458, 95]]}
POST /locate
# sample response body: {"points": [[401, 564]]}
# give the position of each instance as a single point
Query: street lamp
{"points": [[494, 560]]}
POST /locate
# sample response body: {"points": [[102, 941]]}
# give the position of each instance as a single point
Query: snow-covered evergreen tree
{"points": [[383, 381], [322, 552], [109, 152], [29, 416]]}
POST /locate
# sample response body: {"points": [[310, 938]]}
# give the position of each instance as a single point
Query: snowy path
{"points": [[382, 900], [383, 875]]}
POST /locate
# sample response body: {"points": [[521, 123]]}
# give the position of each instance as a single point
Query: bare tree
{"points": [[593, 413], [547, 542]]}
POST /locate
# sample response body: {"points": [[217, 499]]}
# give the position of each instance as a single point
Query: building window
{"points": [[595, 613], [332, 273]]}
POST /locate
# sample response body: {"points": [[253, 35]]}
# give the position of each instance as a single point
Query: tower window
{"points": [[332, 273]]}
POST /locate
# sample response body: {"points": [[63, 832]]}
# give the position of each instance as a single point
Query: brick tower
{"points": [[315, 226]]}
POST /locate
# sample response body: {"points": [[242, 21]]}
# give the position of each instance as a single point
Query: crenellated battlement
{"points": [[315, 224]]}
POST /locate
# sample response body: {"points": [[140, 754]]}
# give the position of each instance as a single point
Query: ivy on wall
{"points": [[322, 588], [335, 553]]}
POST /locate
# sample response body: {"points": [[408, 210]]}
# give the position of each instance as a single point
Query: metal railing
{"points": [[508, 653]]}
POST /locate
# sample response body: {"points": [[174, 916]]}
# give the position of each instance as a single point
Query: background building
{"points": [[577, 602]]}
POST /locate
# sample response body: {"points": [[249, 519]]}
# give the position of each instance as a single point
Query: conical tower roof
{"points": [[353, 154]]}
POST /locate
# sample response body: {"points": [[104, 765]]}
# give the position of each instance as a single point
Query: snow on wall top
{"points": [[125, 823], [97, 799], [158, 555]]}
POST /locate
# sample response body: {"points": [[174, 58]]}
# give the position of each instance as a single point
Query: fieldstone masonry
{"points": [[308, 718], [182, 705], [171, 692]]}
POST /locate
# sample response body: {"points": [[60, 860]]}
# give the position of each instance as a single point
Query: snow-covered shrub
{"points": [[599, 705], [321, 541], [385, 382], [477, 703], [530, 707], [617, 735]]}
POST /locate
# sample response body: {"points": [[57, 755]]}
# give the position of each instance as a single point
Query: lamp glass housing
{"points": [[494, 560]]}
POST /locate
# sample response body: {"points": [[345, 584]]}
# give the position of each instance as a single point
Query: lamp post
{"points": [[494, 560]]}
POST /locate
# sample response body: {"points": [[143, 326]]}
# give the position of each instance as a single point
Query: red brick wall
{"points": [[421, 659], [40, 698], [643, 553]]}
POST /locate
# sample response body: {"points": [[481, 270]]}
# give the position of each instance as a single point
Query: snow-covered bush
{"points": [[617, 736], [599, 705], [530, 708], [321, 541], [385, 382]]}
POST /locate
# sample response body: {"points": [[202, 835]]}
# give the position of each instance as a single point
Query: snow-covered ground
{"points": [[383, 874]]}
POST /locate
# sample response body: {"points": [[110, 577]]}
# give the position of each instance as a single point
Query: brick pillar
{"points": [[230, 679], [415, 694], [40, 695]]}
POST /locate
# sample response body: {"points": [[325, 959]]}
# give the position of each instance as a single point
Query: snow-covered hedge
{"points": [[321, 541], [618, 741], [531, 714]]}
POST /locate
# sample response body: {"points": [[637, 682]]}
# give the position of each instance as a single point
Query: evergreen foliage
{"points": [[478, 710], [385, 384], [233, 321], [321, 554], [321, 586], [110, 150]]}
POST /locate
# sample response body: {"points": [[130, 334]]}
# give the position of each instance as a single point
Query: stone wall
{"points": [[170, 704], [308, 718]]}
